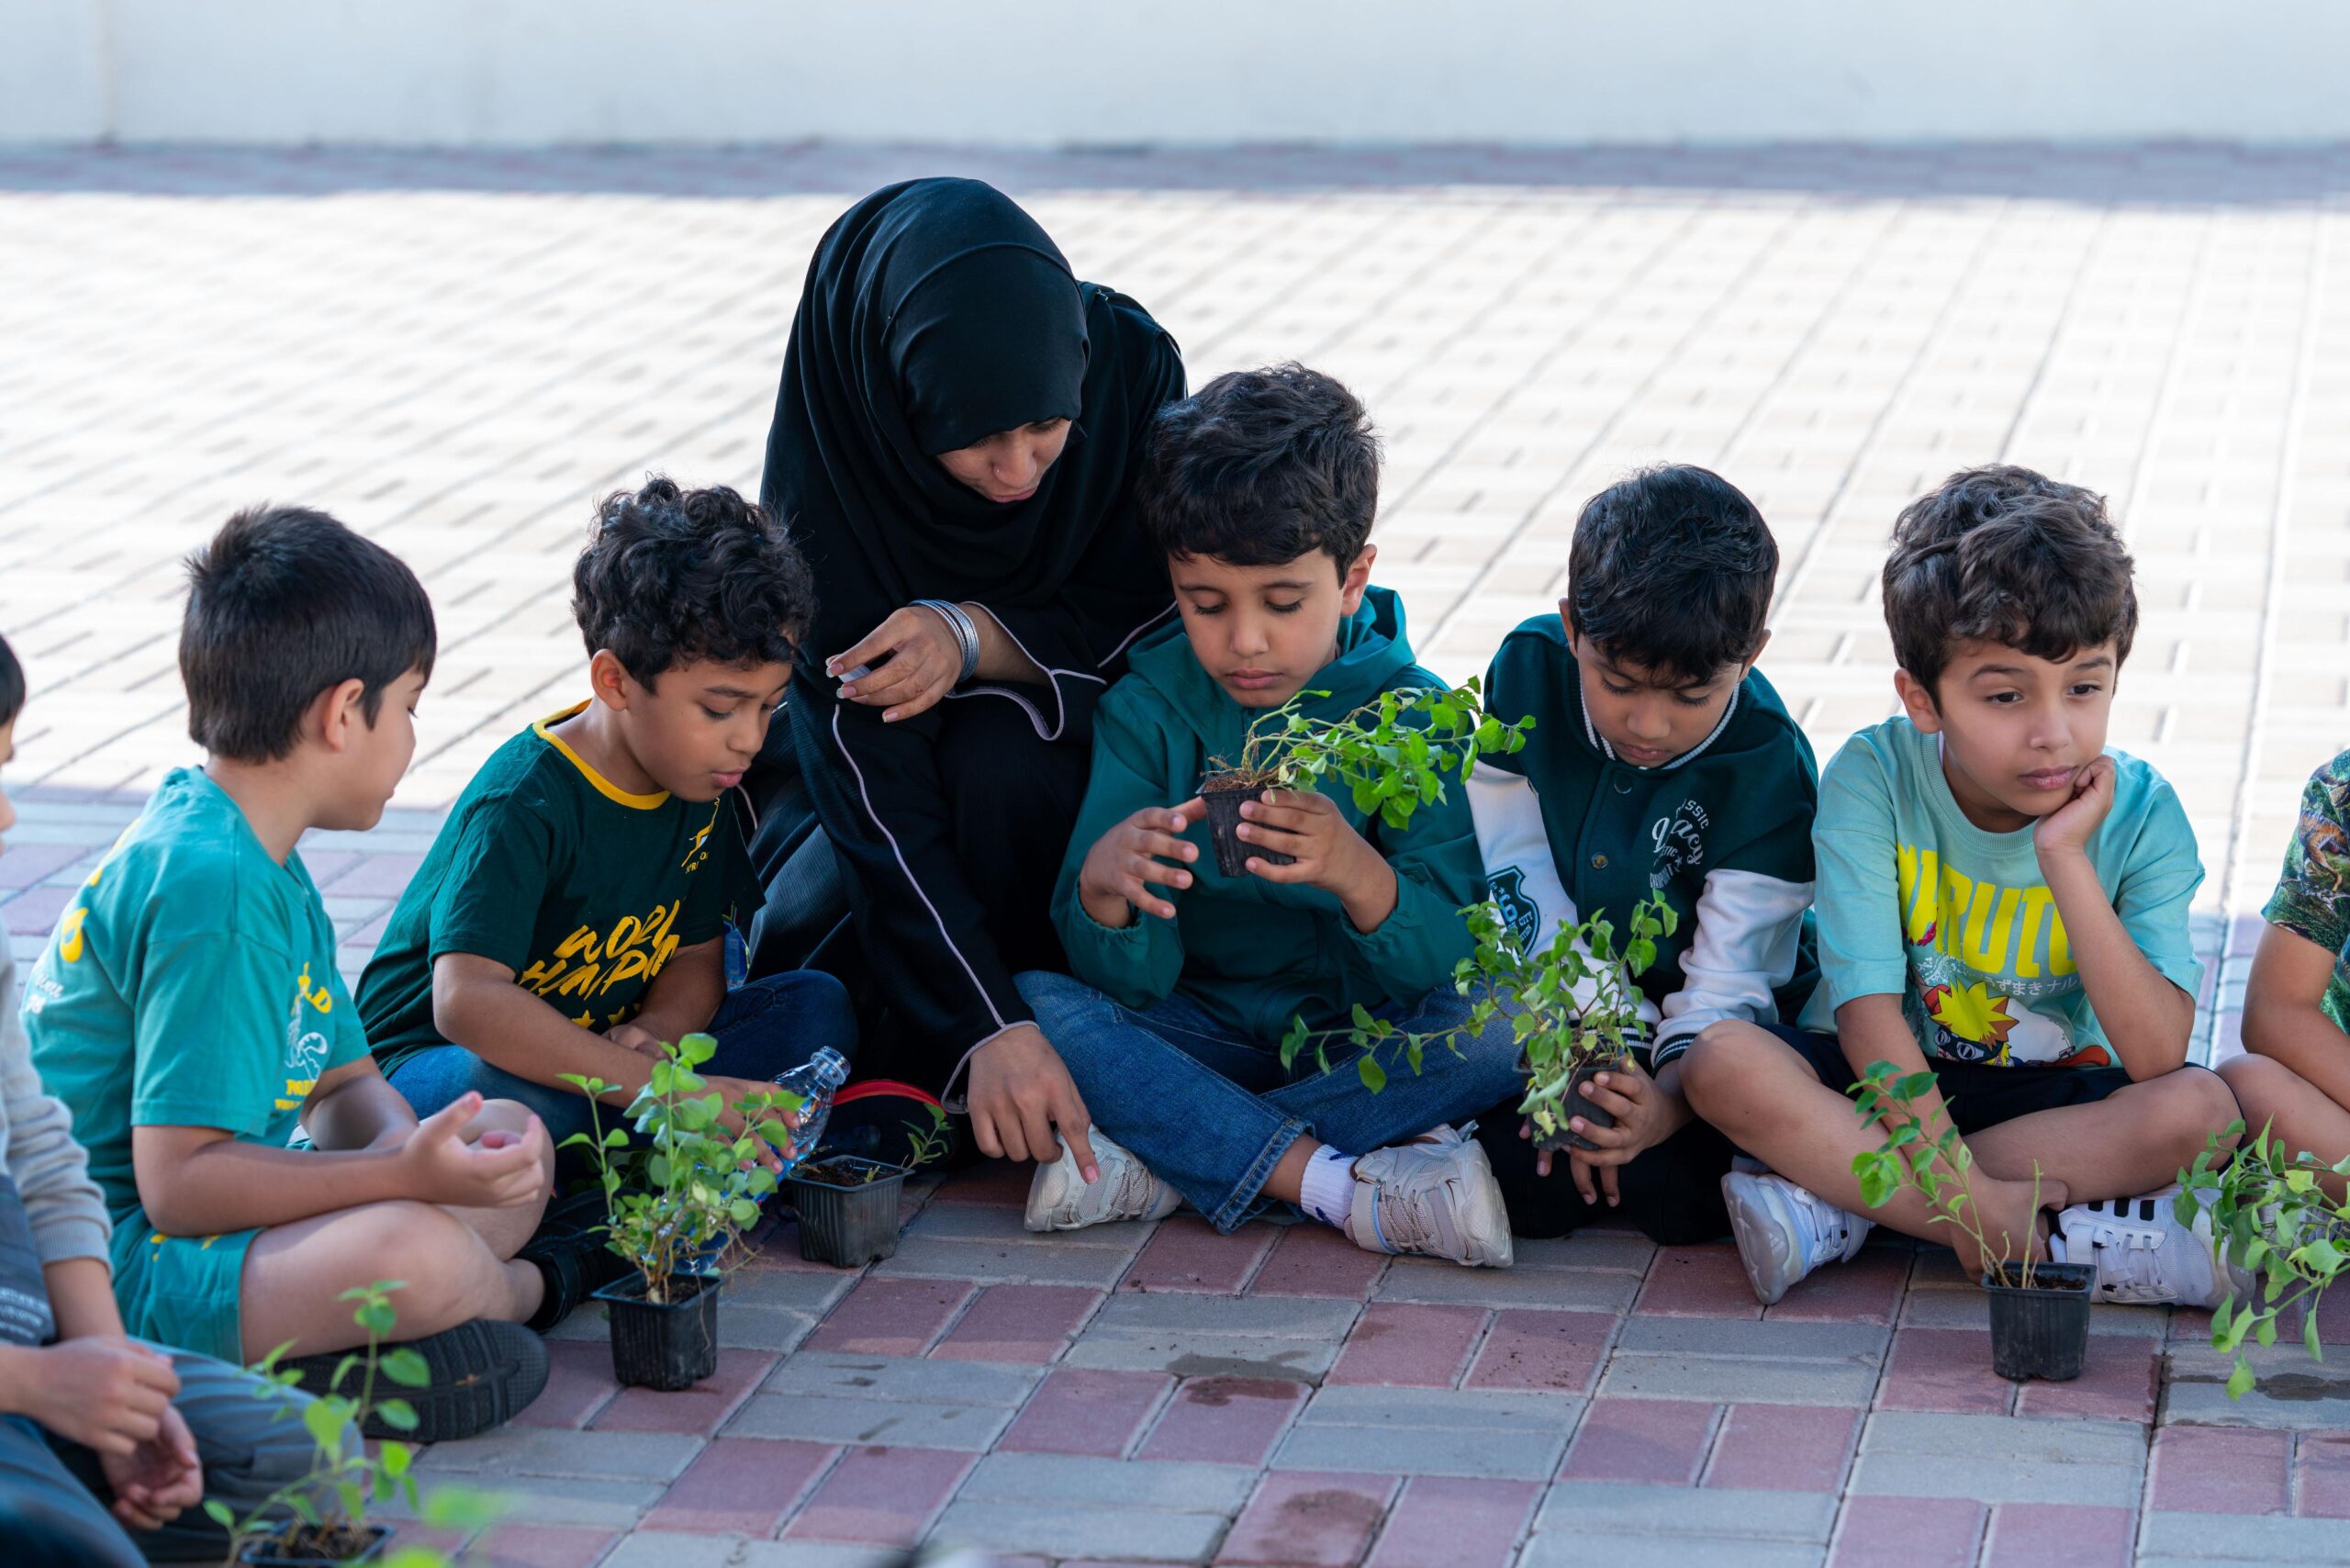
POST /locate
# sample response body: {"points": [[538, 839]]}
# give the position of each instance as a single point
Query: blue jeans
{"points": [[765, 1028], [1211, 1112]]}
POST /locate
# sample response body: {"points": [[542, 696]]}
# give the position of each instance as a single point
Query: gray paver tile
{"points": [[1061, 1529], [1142, 1484], [1564, 1549], [2243, 1537], [1446, 1409], [1272, 1317], [841, 1375], [1190, 1354], [900, 1423], [1034, 1262], [544, 1451], [551, 1499], [669, 1549], [1723, 1378], [1590, 1289], [1422, 1450], [2294, 1392], [1612, 1507], [1999, 1458]]}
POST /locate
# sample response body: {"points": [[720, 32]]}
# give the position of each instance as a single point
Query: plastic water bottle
{"points": [[815, 1082]]}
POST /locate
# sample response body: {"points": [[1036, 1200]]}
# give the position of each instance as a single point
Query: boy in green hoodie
{"points": [[1261, 490]]}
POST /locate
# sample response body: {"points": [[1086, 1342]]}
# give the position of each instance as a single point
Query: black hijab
{"points": [[936, 313]]}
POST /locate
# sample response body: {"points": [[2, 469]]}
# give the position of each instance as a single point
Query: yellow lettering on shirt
{"points": [[69, 945], [588, 963], [1990, 928], [698, 851], [318, 997]]}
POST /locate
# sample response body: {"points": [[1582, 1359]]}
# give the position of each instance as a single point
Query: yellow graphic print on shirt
{"points": [[697, 852], [588, 963], [306, 1049], [1981, 953]]}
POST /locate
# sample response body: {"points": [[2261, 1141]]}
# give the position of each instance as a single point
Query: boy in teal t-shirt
{"points": [[1661, 764], [1260, 487], [2294, 1078], [572, 914], [188, 1010], [2002, 903]]}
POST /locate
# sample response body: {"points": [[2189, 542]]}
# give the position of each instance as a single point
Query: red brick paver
{"points": [[1302, 1519]]}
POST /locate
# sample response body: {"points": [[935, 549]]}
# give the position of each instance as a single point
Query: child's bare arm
{"points": [[685, 995], [477, 1004], [2145, 1017], [352, 1107], [204, 1182], [2282, 1018], [1871, 1029]]}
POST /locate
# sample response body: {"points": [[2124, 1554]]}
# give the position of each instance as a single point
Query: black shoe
{"points": [[480, 1374], [569, 1249]]}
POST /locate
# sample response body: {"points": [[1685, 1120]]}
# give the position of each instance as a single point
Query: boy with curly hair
{"points": [[571, 916]]}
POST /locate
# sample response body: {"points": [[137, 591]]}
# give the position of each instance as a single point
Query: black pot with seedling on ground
{"points": [[1392, 755], [1572, 1002], [675, 1207], [322, 1516], [2039, 1311], [849, 1205]]}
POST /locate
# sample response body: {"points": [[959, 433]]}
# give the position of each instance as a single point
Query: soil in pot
{"points": [[2041, 1330], [848, 1209], [667, 1345], [1223, 799], [309, 1546]]}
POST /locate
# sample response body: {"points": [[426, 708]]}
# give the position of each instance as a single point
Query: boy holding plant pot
{"points": [[1261, 490], [2002, 904], [1662, 765]]}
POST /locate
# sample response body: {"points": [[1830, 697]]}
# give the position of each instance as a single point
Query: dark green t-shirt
{"points": [[583, 889]]}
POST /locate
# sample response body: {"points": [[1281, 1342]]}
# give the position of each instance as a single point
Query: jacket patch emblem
{"points": [[1506, 887]]}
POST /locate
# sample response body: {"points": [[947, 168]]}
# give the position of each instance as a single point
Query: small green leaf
{"points": [[2240, 1380], [396, 1413], [405, 1367], [1373, 1076]]}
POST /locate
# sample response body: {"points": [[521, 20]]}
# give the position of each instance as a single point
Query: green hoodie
{"points": [[1256, 953]]}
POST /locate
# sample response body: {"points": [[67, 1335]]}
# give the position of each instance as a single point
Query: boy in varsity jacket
{"points": [[1661, 762]]}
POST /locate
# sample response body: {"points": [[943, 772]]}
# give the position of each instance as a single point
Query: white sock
{"points": [[1326, 1191]]}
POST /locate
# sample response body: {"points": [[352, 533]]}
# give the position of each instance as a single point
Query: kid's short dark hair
{"points": [[2004, 555], [673, 576], [1262, 466], [12, 684], [1672, 570], [284, 603]]}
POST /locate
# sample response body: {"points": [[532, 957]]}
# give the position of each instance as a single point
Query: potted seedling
{"points": [[1392, 754], [2273, 1224], [1571, 1002], [674, 1206], [2040, 1311], [321, 1517], [848, 1205]]}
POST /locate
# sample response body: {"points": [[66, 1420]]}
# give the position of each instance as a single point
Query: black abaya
{"points": [[934, 314]]}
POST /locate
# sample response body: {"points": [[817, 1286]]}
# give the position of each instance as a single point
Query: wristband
{"points": [[966, 632]]}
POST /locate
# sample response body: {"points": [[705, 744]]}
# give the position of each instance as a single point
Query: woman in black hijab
{"points": [[958, 423]]}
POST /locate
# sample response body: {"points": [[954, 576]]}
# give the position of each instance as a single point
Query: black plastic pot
{"points": [[667, 1345], [263, 1555], [1571, 1105], [2041, 1330], [848, 1209], [1231, 852]]}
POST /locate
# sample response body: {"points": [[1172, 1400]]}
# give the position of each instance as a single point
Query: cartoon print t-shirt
{"points": [[2312, 896], [584, 890], [1914, 899], [190, 982]]}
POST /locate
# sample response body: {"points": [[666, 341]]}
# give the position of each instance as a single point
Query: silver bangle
{"points": [[966, 632]]}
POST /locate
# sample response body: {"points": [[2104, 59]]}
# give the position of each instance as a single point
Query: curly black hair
{"points": [[284, 603], [12, 684], [1672, 570], [1262, 466], [673, 576], [2007, 554]]}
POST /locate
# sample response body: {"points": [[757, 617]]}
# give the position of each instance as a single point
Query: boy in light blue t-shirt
{"points": [[2001, 901]]}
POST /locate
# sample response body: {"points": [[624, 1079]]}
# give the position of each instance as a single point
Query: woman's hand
{"points": [[904, 666]]}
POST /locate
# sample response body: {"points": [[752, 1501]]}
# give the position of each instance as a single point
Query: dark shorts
{"points": [[1979, 1094]]}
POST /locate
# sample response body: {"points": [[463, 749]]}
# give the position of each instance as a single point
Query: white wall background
{"points": [[1060, 72]]}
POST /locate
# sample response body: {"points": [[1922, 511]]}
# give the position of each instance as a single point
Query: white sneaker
{"points": [[1060, 1198], [1436, 1198], [1784, 1231], [2144, 1256]]}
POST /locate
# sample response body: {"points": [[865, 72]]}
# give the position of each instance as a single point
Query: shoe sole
{"points": [[1493, 1220], [480, 1374], [1759, 1226]]}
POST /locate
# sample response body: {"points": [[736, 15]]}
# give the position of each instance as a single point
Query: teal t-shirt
{"points": [[582, 888], [190, 982], [1915, 900], [2312, 896]]}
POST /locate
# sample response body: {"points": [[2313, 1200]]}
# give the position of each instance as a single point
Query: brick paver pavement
{"points": [[457, 354]]}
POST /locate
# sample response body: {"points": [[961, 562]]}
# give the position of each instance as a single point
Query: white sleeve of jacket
{"points": [[1744, 948], [1520, 874]]}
